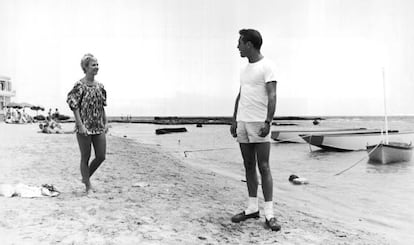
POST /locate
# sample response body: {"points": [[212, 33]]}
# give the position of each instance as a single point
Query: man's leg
{"points": [[263, 152], [249, 160]]}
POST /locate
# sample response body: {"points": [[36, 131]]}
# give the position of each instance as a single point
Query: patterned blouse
{"points": [[90, 100]]}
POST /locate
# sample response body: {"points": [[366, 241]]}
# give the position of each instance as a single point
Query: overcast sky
{"points": [[179, 57]]}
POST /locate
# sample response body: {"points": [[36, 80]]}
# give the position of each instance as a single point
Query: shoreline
{"points": [[176, 120], [144, 195]]}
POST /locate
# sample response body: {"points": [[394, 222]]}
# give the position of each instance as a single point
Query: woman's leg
{"points": [[84, 142], [99, 145]]}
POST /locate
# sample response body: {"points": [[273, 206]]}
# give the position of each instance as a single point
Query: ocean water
{"points": [[373, 197]]}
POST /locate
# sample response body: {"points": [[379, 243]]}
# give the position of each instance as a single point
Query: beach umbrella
{"points": [[24, 104], [14, 105], [37, 108]]}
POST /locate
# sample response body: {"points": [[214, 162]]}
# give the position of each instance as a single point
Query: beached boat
{"points": [[390, 153], [293, 135], [170, 130], [346, 141]]}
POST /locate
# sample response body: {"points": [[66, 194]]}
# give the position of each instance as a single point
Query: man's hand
{"points": [[264, 131], [233, 129]]}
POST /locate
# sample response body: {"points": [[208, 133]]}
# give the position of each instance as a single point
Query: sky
{"points": [[180, 57]]}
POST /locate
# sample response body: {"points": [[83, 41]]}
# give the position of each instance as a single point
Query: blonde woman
{"points": [[87, 100]]}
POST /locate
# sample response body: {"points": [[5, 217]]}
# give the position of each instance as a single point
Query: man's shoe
{"points": [[272, 223], [242, 216]]}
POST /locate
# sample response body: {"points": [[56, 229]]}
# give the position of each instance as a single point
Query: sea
{"points": [[343, 186]]}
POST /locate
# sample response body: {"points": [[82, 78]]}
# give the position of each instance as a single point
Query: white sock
{"points": [[253, 205], [268, 210]]}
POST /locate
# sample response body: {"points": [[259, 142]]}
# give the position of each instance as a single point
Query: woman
{"points": [[87, 100]]}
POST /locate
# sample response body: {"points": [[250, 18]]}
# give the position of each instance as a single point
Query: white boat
{"points": [[293, 135], [390, 153], [345, 141]]}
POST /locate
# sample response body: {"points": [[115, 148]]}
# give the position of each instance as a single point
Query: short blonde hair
{"points": [[85, 61]]}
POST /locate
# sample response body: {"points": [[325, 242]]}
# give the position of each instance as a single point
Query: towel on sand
{"points": [[23, 190]]}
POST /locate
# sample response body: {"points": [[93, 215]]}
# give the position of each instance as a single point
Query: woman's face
{"points": [[93, 67]]}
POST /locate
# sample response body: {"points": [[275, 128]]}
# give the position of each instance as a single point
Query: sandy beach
{"points": [[143, 196]]}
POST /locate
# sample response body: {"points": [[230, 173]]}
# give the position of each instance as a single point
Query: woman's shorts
{"points": [[248, 132]]}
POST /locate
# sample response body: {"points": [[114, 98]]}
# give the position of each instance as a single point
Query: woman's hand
{"points": [[82, 129], [106, 128]]}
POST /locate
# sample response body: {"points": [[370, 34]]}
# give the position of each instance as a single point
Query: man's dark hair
{"points": [[253, 36]]}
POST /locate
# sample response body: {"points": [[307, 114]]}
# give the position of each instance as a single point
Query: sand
{"points": [[143, 196]]}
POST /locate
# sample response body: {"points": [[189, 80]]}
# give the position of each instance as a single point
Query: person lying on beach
{"points": [[87, 100], [50, 126]]}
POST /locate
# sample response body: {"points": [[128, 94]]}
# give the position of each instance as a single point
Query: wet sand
{"points": [[143, 196]]}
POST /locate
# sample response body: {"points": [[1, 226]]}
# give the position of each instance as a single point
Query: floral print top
{"points": [[90, 100]]}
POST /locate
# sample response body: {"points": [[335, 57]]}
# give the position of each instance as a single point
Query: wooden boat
{"points": [[390, 153], [345, 141], [293, 135], [170, 130]]}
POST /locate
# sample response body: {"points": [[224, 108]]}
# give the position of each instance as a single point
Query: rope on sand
{"points": [[229, 148], [353, 165], [214, 149]]}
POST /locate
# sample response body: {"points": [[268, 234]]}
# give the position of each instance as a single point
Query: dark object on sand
{"points": [[199, 125], [294, 179], [170, 130], [61, 117], [39, 117], [315, 122]]}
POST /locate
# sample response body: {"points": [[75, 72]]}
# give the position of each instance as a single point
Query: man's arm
{"points": [[271, 107], [233, 127], [271, 104]]}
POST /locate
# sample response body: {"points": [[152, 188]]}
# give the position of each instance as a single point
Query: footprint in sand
{"points": [[92, 211]]}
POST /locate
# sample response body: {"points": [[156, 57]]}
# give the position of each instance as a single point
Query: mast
{"points": [[385, 106]]}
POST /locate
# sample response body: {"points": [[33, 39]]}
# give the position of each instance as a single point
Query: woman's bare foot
{"points": [[88, 186]]}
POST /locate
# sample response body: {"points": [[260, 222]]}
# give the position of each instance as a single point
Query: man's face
{"points": [[242, 47]]}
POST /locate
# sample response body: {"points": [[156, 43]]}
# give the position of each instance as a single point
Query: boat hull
{"points": [[390, 153], [293, 136], [170, 130], [354, 141]]}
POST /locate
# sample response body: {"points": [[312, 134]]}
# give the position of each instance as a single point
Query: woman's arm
{"points": [[78, 121], [105, 121]]}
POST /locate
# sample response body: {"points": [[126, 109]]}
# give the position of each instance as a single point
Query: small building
{"points": [[6, 93]]}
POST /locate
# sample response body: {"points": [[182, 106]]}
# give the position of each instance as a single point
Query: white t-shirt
{"points": [[253, 96]]}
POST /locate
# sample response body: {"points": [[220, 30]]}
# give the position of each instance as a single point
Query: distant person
{"points": [[8, 116], [50, 126], [19, 117], [253, 113], [87, 100], [56, 114]]}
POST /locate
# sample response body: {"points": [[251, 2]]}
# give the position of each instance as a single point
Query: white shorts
{"points": [[248, 132]]}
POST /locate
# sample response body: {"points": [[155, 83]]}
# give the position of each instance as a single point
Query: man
{"points": [[253, 114]]}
